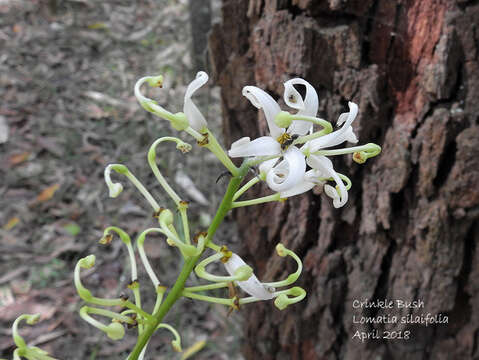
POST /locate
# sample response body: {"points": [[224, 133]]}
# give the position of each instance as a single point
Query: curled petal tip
{"points": [[176, 346], [33, 319], [115, 189], [87, 262]]}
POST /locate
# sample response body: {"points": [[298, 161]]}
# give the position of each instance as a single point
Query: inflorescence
{"points": [[292, 159]]}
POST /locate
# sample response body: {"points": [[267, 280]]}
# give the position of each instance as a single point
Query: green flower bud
{"points": [[155, 81], [179, 121], [87, 262], [166, 217], [176, 346], [244, 272], [283, 119], [115, 331]]}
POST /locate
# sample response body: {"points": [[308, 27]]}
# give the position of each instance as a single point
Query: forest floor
{"points": [[67, 71]]}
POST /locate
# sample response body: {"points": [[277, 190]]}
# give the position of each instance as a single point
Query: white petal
{"points": [[307, 106], [193, 114], [288, 172], [262, 100], [266, 166], [342, 118], [331, 192], [320, 163], [241, 141], [350, 136], [262, 146], [291, 96], [338, 136], [303, 186], [324, 165], [252, 286], [115, 189]]}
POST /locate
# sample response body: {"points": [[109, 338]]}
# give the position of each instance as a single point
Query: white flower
{"points": [[252, 286], [345, 133], [194, 116], [325, 167], [191, 116], [289, 171]]}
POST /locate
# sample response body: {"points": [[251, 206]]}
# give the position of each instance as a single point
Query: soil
{"points": [[67, 71]]}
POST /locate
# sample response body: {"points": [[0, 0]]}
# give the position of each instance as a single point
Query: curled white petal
{"points": [[114, 188], [325, 165], [306, 184], [288, 172], [252, 286], [342, 118], [291, 96], [345, 133], [332, 193], [307, 106], [262, 146], [262, 100], [193, 114], [267, 165]]}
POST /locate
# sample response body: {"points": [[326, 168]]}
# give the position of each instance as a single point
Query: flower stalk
{"points": [[292, 159]]}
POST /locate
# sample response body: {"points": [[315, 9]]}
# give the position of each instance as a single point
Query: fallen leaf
{"points": [[98, 26], [193, 349], [17, 28], [47, 193], [19, 158], [190, 188], [11, 223], [95, 112], [6, 296]]}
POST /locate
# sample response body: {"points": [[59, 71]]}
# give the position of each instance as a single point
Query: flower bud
{"points": [[115, 331], [176, 346], [155, 81], [179, 121], [166, 217], [283, 119], [360, 157], [281, 250], [87, 262], [243, 272]]}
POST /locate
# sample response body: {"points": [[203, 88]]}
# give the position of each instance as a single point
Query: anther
{"points": [[203, 141]]}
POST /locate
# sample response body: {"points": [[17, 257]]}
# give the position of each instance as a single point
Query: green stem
{"points": [[261, 200], [245, 187], [213, 286], [211, 299], [216, 149], [190, 263], [372, 150]]}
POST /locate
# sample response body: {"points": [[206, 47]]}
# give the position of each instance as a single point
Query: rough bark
{"points": [[409, 230]]}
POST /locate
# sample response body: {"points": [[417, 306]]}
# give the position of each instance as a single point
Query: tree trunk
{"points": [[200, 25], [409, 230]]}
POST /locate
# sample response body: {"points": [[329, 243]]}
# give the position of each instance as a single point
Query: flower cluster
{"points": [[293, 145], [292, 160]]}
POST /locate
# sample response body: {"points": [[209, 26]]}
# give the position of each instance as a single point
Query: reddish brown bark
{"points": [[409, 230]]}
